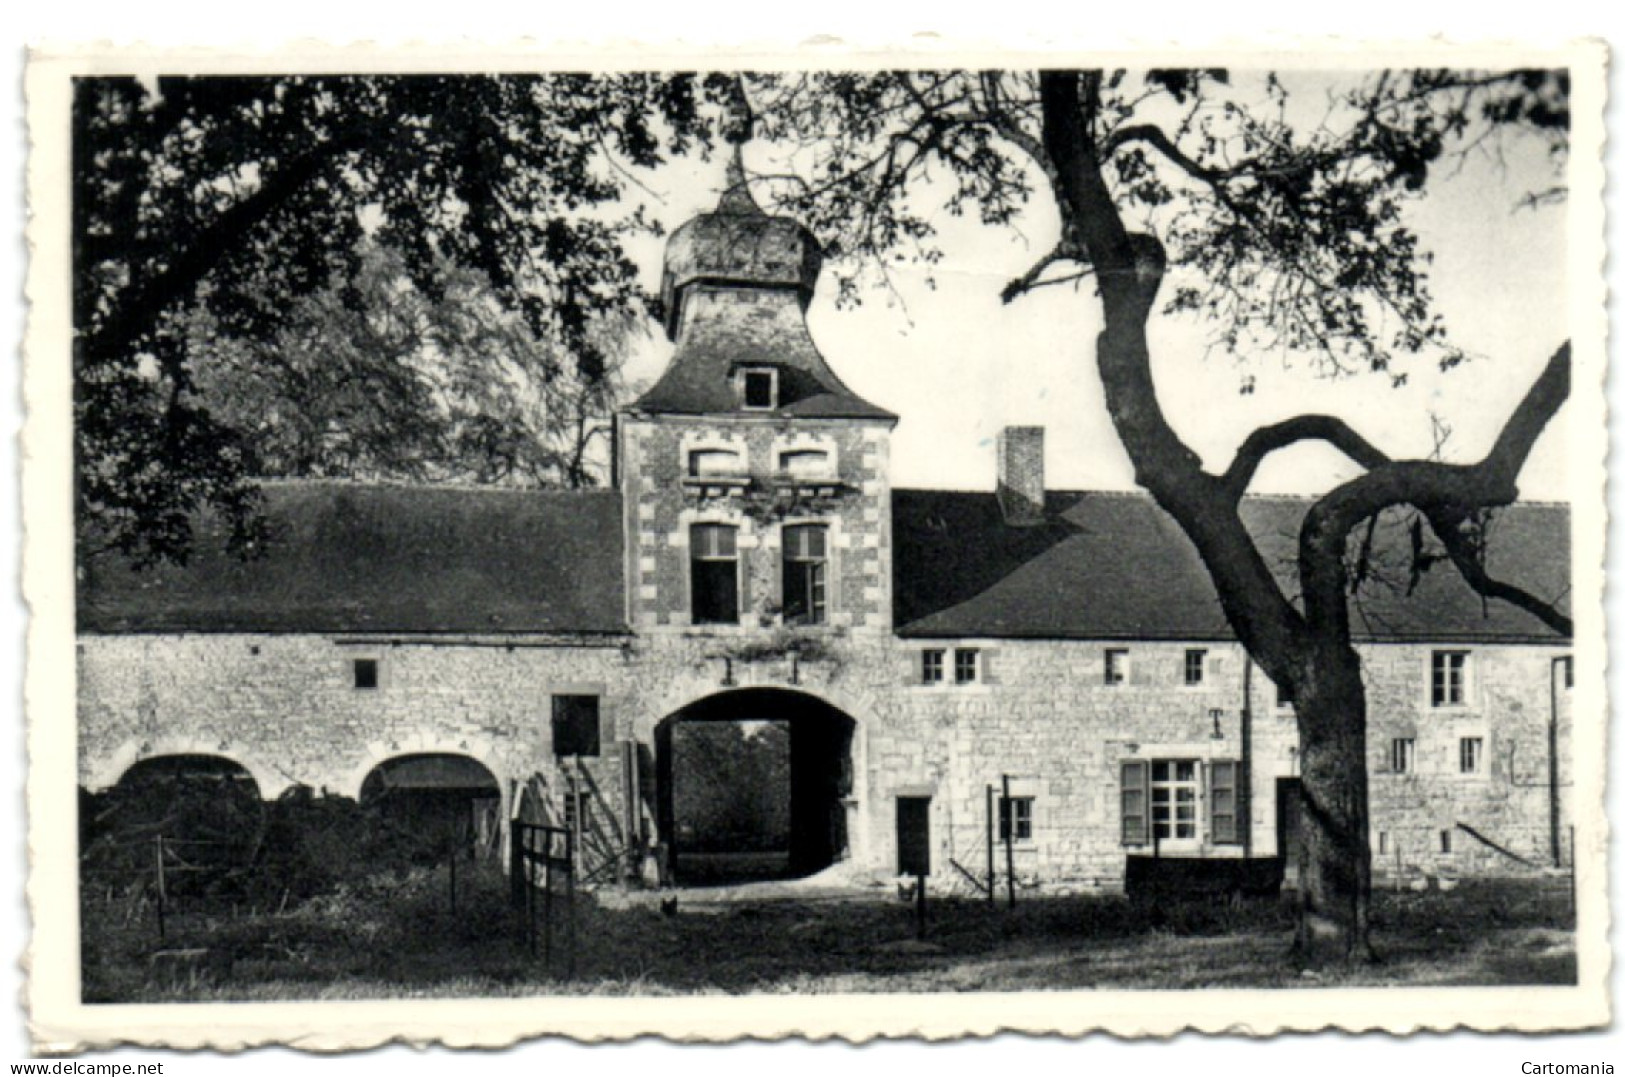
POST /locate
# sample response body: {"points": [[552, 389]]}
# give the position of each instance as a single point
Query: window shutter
{"points": [[1135, 796], [1222, 820], [1139, 669], [989, 665]]}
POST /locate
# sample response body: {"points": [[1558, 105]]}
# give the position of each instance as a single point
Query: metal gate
{"points": [[542, 880]]}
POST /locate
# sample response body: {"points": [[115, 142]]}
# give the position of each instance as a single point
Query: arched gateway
{"points": [[753, 783]]}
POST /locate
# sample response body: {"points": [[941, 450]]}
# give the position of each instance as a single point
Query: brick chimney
{"points": [[1021, 475]]}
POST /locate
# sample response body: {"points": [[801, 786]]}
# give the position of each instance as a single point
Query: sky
{"points": [[956, 364]]}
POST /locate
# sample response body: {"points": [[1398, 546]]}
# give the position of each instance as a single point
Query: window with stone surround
{"points": [[713, 574], [967, 665], [806, 571], [1195, 667], [1402, 754], [759, 388], [364, 673], [1447, 682], [1016, 819], [1115, 670], [1162, 802], [706, 463], [575, 725], [805, 463], [1470, 755], [931, 663]]}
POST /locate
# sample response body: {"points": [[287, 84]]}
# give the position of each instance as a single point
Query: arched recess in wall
{"points": [[443, 799], [111, 769], [206, 810]]}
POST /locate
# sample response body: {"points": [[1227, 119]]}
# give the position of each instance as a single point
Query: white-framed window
{"points": [[713, 573], [967, 665], [1175, 788], [759, 388], [932, 660], [1114, 670], [1162, 802], [1447, 679], [1016, 819], [806, 574], [1195, 667], [1402, 755], [1470, 755]]}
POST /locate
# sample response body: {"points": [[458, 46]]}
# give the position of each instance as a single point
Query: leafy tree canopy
{"points": [[234, 197]]}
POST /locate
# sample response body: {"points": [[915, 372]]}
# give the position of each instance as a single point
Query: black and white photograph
{"points": [[1115, 540]]}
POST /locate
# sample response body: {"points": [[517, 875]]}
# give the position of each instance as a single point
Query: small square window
{"points": [[1472, 755], [1116, 667], [761, 389], [364, 672], [1402, 754], [1195, 667], [965, 663], [931, 665], [1016, 819]]}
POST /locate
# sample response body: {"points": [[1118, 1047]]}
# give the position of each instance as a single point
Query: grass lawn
{"points": [[396, 937]]}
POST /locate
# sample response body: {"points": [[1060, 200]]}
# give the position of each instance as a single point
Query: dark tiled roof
{"points": [[1115, 566], [727, 327], [376, 558]]}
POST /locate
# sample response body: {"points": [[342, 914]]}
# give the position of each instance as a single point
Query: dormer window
{"points": [[760, 388]]}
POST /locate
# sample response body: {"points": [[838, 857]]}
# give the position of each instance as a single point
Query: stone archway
{"points": [[205, 809], [753, 783], [445, 799]]}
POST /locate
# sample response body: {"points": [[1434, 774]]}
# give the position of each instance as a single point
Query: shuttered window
{"points": [[1135, 782], [1224, 819]]}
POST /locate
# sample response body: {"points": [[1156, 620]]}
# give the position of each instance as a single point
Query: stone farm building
{"points": [[547, 654]]}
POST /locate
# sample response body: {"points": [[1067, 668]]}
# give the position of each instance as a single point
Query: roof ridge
{"points": [[311, 482]]}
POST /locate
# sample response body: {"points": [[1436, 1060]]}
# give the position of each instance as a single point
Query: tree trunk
{"points": [[1334, 886]]}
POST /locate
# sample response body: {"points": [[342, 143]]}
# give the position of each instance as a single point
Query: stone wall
{"points": [[286, 708]]}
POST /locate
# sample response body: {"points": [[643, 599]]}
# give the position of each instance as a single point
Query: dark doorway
{"points": [[750, 785], [441, 801], [1288, 808]]}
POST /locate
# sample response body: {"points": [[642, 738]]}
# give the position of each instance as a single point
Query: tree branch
{"points": [[146, 302], [1062, 252], [1446, 493], [1158, 139], [1268, 439], [1468, 560]]}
